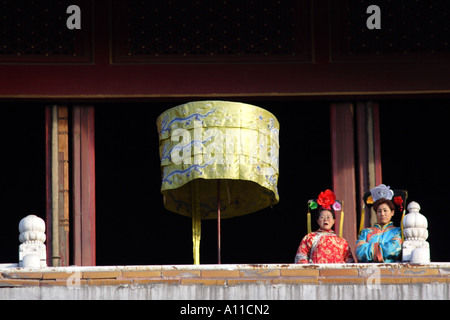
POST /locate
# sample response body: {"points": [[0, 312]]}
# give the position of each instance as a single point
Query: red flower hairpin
{"points": [[326, 199], [399, 202]]}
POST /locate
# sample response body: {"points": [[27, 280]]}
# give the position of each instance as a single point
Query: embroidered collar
{"points": [[325, 231], [387, 225]]}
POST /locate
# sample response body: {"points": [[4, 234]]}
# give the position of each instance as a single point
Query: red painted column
{"points": [[369, 153], [377, 142], [363, 155], [343, 166], [83, 185]]}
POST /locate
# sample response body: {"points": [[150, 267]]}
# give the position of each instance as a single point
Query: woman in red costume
{"points": [[323, 245]]}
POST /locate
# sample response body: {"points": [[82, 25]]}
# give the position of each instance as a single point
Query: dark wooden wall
{"points": [[229, 48]]}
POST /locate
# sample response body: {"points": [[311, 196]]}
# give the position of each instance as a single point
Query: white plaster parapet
{"points": [[368, 281], [9, 267]]}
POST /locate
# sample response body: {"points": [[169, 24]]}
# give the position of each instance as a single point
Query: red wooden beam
{"points": [[88, 161], [84, 186], [343, 166], [369, 174], [377, 143], [363, 170], [100, 77], [76, 185]]}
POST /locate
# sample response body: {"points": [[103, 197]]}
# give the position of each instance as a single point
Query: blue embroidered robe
{"points": [[379, 244]]}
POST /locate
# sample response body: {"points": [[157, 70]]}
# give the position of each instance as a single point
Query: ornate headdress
{"points": [[398, 198], [326, 200]]}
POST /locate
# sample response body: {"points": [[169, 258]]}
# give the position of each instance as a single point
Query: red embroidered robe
{"points": [[323, 246]]}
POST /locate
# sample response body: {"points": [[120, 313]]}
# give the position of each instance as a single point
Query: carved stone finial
{"points": [[413, 207], [32, 250], [415, 247]]}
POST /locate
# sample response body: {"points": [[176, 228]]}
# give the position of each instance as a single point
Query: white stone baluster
{"points": [[32, 250], [415, 247]]}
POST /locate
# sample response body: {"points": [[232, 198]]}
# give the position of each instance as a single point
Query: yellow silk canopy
{"points": [[203, 142]]}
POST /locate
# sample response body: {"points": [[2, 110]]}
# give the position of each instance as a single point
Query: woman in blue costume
{"points": [[383, 242]]}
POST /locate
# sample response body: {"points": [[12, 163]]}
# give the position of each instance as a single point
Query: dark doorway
{"points": [[414, 135], [22, 185]]}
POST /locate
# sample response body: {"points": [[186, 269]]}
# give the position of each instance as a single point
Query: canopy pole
{"points": [[196, 221], [218, 222], [341, 224]]}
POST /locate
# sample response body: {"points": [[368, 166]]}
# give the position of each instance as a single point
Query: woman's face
{"points": [[384, 214], [325, 220]]}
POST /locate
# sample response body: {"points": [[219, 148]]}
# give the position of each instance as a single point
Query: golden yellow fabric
{"points": [[206, 141]]}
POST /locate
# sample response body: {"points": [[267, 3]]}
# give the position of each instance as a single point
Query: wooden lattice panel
{"points": [[409, 30], [36, 31], [207, 31]]}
